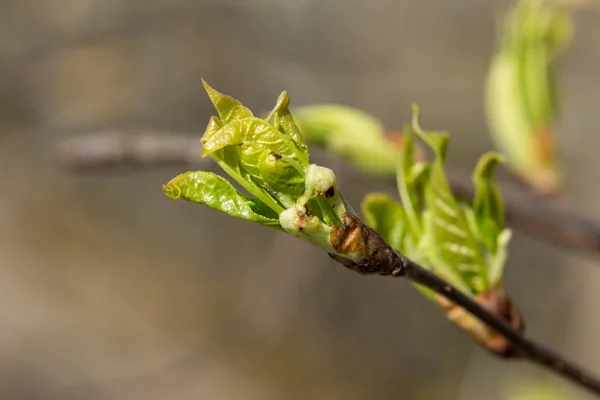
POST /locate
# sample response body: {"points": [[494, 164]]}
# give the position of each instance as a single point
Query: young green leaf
{"points": [[497, 260], [228, 159], [228, 108], [387, 217], [452, 242], [411, 178], [281, 175], [217, 193], [269, 161], [487, 205]]}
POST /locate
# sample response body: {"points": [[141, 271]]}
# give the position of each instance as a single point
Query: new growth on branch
{"points": [[453, 251]]}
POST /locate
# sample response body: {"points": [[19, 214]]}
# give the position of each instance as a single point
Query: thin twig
{"points": [[382, 259], [524, 210], [528, 348]]}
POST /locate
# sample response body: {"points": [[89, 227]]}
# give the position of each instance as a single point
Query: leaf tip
{"points": [[486, 164], [172, 190], [416, 117], [283, 101], [497, 157], [207, 87], [213, 94]]}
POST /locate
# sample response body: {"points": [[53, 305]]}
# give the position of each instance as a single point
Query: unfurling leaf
{"points": [[521, 92], [269, 159], [453, 243], [228, 108], [387, 217], [465, 245], [411, 178], [487, 205], [217, 193]]}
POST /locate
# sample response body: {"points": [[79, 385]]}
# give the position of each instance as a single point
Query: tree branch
{"points": [[382, 259], [526, 348], [524, 210], [116, 150]]}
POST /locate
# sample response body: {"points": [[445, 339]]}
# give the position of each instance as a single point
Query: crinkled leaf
{"points": [[261, 151], [269, 161], [387, 217], [281, 175], [217, 193], [350, 133], [450, 233], [228, 159], [487, 205], [228, 108]]}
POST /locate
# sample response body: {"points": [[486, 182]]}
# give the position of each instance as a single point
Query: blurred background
{"points": [[111, 291]]}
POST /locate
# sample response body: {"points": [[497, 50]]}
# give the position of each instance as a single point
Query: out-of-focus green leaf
{"points": [[217, 193], [452, 241], [538, 391], [350, 133], [521, 92]]}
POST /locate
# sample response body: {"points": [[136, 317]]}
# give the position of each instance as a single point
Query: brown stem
{"points": [[380, 258], [526, 348]]}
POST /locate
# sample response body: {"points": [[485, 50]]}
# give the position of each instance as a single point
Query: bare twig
{"points": [[382, 259], [526, 348], [524, 210]]}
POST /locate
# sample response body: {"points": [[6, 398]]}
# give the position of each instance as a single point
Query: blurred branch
{"points": [[105, 150], [524, 210]]}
